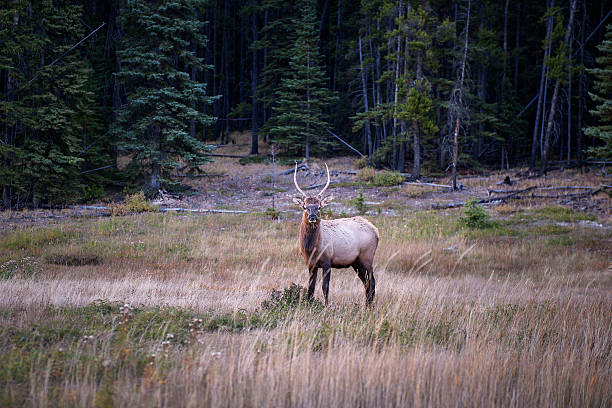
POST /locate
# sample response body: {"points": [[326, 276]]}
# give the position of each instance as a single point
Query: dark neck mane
{"points": [[309, 236]]}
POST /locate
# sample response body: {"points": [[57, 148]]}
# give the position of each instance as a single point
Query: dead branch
{"points": [[426, 184]]}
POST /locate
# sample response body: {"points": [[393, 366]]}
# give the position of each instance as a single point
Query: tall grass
{"points": [[499, 317]]}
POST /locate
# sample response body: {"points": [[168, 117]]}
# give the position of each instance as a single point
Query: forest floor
{"points": [[228, 185], [183, 309]]}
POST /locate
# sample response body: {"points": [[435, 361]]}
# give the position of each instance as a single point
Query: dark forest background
{"points": [[419, 87]]}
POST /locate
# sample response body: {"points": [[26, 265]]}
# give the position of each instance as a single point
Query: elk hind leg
{"points": [[370, 283], [361, 270]]}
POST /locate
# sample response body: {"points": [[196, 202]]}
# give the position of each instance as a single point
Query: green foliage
{"points": [[45, 109], [474, 216], [298, 118], [603, 111], [28, 239], [359, 203], [388, 178], [162, 99]]}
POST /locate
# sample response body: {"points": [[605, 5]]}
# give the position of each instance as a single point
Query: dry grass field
{"points": [[516, 313]]}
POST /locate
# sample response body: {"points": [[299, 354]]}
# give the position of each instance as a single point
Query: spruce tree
{"points": [[603, 111], [162, 99], [298, 120], [44, 103]]}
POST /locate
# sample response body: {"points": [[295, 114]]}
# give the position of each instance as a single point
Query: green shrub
{"points": [[474, 216], [388, 178], [359, 203]]}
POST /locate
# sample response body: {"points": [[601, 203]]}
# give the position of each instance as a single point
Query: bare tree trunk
{"points": [[337, 56], [416, 168], [581, 87], [460, 102], [307, 152], [192, 124], [254, 125], [154, 180], [397, 64], [365, 100], [553, 103], [503, 84], [569, 102], [226, 96], [516, 45], [536, 126]]}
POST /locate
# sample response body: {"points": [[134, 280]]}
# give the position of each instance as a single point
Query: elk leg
{"points": [[312, 281], [370, 284], [325, 283], [359, 269], [362, 273]]}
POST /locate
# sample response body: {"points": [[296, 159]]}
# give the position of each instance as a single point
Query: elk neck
{"points": [[309, 235]]}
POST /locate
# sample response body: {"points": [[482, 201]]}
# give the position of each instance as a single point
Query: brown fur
{"points": [[340, 243]]}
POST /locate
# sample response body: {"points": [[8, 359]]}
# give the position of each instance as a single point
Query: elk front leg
{"points": [[312, 281], [325, 284]]}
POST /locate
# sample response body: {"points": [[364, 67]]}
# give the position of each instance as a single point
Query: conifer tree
{"points": [[603, 111], [298, 120], [156, 50], [44, 103]]}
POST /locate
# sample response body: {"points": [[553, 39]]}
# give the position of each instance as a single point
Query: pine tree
{"points": [[44, 102], [603, 111], [156, 50], [298, 120]]}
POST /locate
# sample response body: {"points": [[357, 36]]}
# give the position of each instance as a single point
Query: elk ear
{"points": [[325, 201], [299, 201]]}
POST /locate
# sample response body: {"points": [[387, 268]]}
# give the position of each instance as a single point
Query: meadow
{"points": [[190, 310]]}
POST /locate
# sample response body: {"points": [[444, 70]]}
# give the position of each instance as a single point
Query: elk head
{"points": [[312, 205]]}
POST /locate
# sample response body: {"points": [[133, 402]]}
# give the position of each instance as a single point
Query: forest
{"points": [[100, 95]]}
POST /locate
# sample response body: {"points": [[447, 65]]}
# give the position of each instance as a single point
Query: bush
{"points": [[388, 178], [134, 203], [366, 174], [289, 298], [362, 162], [474, 216], [359, 203]]}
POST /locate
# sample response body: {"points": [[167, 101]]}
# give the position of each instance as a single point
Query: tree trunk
{"points": [[365, 100], [460, 102], [254, 126], [516, 46], [503, 84], [307, 153], [395, 93], [553, 103], [416, 128], [154, 180], [226, 95], [581, 86], [534, 140]]}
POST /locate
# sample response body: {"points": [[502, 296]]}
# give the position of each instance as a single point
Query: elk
{"points": [[336, 243]]}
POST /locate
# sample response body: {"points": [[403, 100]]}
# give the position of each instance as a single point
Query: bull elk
{"points": [[336, 243]]}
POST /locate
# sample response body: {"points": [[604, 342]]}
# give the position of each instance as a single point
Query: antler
{"points": [[328, 180], [295, 181]]}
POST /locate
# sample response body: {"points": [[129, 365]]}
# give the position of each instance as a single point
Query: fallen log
{"points": [[233, 156], [426, 184], [513, 195]]}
